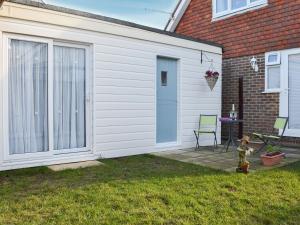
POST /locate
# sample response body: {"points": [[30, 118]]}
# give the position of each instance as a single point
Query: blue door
{"points": [[166, 100]]}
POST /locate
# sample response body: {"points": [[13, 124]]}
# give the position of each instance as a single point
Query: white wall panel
{"points": [[123, 87]]}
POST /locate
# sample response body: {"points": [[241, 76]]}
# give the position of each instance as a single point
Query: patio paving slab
{"points": [[226, 161], [72, 166]]}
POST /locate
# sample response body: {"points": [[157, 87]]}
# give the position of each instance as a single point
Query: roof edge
{"points": [[177, 15], [109, 20]]}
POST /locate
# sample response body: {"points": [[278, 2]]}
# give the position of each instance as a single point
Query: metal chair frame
{"points": [[199, 131], [266, 139]]}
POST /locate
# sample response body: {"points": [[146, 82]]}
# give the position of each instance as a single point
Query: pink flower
{"points": [[215, 74], [210, 73]]}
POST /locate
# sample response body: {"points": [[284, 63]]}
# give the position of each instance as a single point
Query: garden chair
{"points": [[280, 124], [207, 125]]}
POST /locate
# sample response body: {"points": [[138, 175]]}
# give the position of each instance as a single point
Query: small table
{"points": [[230, 123]]}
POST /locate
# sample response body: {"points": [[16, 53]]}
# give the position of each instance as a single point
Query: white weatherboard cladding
{"points": [[123, 91], [125, 101]]}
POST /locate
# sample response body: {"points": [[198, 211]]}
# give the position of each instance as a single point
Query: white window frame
{"points": [[229, 11], [51, 152], [272, 65]]}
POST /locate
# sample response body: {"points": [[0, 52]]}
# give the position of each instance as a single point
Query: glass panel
{"points": [[222, 5], [69, 98], [294, 92], [274, 77], [27, 97], [272, 58], [164, 78], [236, 4]]}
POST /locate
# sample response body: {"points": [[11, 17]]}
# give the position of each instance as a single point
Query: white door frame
{"points": [[284, 94], [51, 151], [178, 63]]}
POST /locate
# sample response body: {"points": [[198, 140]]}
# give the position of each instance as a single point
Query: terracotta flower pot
{"points": [[271, 160]]}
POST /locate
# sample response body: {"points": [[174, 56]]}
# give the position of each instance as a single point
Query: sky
{"points": [[137, 11]]}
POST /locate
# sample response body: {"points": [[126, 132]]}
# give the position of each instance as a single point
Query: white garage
{"points": [[77, 86]]}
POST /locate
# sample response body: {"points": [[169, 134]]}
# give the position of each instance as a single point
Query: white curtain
{"points": [[294, 93], [69, 98], [27, 97]]}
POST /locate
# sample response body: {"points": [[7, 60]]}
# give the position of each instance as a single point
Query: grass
{"points": [[149, 190]]}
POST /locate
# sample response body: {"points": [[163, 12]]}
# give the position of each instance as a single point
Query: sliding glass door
{"points": [[27, 97], [69, 98], [45, 97]]}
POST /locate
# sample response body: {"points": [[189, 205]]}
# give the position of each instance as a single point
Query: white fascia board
{"points": [[29, 13], [173, 22]]}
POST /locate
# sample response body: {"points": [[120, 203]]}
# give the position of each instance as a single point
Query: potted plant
{"points": [[211, 78], [273, 156]]}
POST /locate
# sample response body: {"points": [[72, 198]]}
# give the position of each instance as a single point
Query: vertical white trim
{"points": [[5, 97], [50, 96], [92, 94], [155, 98], [1, 96], [179, 106]]}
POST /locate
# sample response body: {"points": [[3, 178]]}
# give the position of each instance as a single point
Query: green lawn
{"points": [[149, 190]]}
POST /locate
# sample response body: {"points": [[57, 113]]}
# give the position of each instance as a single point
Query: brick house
{"points": [[267, 31]]}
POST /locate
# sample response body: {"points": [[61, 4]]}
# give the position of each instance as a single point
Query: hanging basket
{"points": [[211, 81]]}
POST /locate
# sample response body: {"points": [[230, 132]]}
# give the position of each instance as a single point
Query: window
{"points": [[164, 78], [272, 79], [45, 97], [227, 7], [273, 58]]}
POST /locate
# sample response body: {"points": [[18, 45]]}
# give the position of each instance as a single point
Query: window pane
{"points": [[222, 5], [251, 1], [27, 97], [272, 58], [164, 78], [69, 98], [273, 77], [236, 4]]}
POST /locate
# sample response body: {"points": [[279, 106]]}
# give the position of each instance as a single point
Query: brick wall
{"points": [[252, 33], [273, 27], [260, 109]]}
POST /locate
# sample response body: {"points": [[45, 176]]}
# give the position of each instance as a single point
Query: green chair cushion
{"points": [[280, 123], [204, 132], [208, 120]]}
